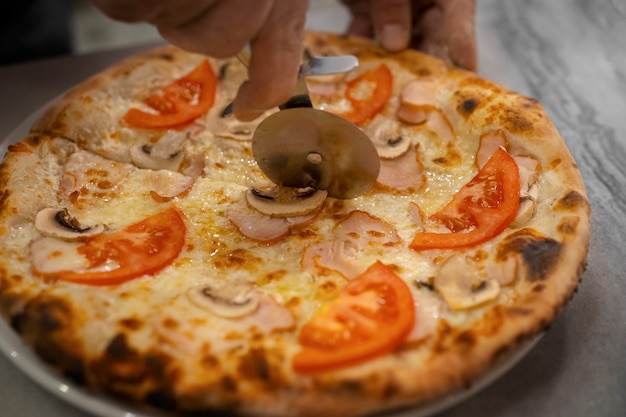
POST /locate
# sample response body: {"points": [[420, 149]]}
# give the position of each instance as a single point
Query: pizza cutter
{"points": [[300, 146]]}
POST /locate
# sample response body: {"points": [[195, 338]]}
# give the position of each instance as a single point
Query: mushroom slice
{"points": [[529, 189], [57, 222], [166, 153], [231, 301], [462, 284], [386, 136], [280, 201], [231, 127]]}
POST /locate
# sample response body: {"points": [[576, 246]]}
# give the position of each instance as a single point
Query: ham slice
{"points": [[417, 99], [402, 173], [354, 233], [263, 228]]}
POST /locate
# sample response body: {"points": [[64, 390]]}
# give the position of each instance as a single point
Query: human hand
{"points": [[221, 28], [444, 28]]}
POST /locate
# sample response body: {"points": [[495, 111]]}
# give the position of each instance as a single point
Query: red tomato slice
{"points": [[373, 314], [368, 94], [142, 248], [179, 103], [482, 209]]}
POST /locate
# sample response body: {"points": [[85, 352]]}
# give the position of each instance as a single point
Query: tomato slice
{"points": [[368, 94], [178, 103], [142, 248], [482, 209], [373, 314]]}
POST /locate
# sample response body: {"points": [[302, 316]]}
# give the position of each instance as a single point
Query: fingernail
{"points": [[394, 37]]}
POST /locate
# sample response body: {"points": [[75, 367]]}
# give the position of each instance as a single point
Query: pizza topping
{"points": [[57, 222], [231, 127], [482, 209], [231, 301], [403, 173], [357, 231], [114, 257], [386, 136], [264, 228], [168, 184], [166, 153], [529, 189], [462, 284], [178, 103], [372, 315], [368, 94], [503, 271], [439, 124], [142, 157], [286, 201], [489, 143], [417, 99]]}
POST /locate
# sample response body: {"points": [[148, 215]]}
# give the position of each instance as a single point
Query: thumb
{"points": [[392, 23]]}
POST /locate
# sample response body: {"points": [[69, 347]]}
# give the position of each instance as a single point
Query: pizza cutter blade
{"points": [[307, 147]]}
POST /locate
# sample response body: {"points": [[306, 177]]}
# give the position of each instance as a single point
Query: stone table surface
{"points": [[568, 54]]}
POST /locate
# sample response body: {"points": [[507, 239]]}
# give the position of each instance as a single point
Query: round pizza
{"points": [[145, 255]]}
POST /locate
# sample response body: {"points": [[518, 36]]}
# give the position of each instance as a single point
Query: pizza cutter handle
{"points": [[314, 66]]}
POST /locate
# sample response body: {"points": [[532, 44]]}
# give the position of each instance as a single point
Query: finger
{"points": [[129, 11], [361, 23], [220, 29], [459, 23], [276, 54], [447, 30], [392, 23], [430, 35]]}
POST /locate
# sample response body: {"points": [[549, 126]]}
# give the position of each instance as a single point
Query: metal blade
{"points": [[306, 147], [315, 66], [328, 65]]}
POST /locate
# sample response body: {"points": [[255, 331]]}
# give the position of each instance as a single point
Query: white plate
{"points": [[103, 406]]}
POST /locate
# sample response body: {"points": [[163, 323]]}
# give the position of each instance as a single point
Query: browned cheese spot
{"points": [[492, 322], [274, 276], [327, 290], [452, 157], [4, 198], [568, 225], [465, 339], [131, 323], [518, 311], [19, 147], [237, 259], [572, 201], [467, 106], [538, 252], [555, 163]]}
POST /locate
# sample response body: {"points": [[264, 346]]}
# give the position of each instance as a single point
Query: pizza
{"points": [[145, 255]]}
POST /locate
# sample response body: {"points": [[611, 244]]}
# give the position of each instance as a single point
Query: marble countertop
{"points": [[571, 56]]}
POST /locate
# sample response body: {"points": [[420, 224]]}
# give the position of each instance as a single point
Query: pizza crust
{"points": [[157, 348]]}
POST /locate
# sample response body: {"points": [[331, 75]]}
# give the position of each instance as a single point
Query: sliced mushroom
{"points": [[463, 285], [231, 127], [529, 189], [285, 201], [385, 134], [231, 301], [57, 222], [166, 153]]}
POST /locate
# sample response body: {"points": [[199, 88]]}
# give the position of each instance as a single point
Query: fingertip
{"points": [[394, 37], [247, 105]]}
